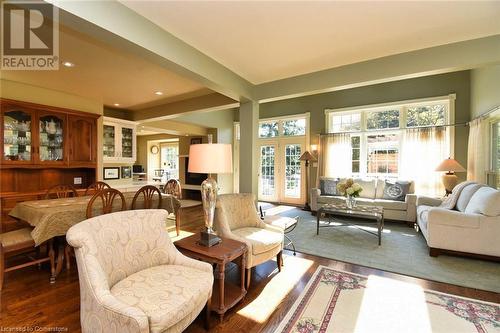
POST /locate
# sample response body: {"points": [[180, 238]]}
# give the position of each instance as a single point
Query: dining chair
{"points": [[18, 241], [96, 187], [107, 197], [173, 187], [148, 192], [60, 191]]}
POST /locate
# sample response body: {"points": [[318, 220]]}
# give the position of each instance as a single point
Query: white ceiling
{"points": [[269, 40], [109, 75]]}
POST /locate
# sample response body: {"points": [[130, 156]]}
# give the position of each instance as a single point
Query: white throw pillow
{"points": [[465, 196], [369, 187], [485, 201]]}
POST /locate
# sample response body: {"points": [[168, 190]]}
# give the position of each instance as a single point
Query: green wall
{"points": [[430, 86], [485, 89]]}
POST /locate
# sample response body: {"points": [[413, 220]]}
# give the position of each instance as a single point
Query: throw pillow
{"points": [[328, 186], [396, 190]]}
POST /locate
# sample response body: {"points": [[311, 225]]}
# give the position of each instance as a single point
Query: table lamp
{"points": [[450, 180], [307, 157], [210, 158]]}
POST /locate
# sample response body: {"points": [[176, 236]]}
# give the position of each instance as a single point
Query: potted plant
{"points": [[350, 190]]}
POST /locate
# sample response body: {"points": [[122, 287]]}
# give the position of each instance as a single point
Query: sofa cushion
{"points": [[466, 194], [337, 199], [369, 187], [485, 201], [396, 190], [166, 293], [262, 240], [391, 204], [328, 186], [381, 185]]}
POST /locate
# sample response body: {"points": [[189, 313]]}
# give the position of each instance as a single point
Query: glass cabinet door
{"points": [[108, 141], [127, 142], [51, 138], [17, 135]]}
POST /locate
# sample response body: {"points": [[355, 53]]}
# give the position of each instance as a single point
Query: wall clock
{"points": [[155, 150]]}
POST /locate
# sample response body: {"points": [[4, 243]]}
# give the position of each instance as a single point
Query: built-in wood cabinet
{"points": [[119, 143], [38, 135]]}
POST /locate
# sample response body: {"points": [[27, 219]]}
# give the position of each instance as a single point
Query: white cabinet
{"points": [[119, 144]]}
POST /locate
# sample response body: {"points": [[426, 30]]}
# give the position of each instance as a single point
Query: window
{"points": [[382, 119], [268, 129], [356, 153], [429, 115], [294, 127], [382, 154], [379, 132], [346, 122], [170, 159]]}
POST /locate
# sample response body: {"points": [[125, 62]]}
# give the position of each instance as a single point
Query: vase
{"points": [[350, 201]]}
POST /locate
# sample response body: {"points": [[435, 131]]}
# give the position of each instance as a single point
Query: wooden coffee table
{"points": [[225, 295]]}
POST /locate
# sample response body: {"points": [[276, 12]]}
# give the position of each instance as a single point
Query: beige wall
{"points": [[485, 89], [430, 86]]}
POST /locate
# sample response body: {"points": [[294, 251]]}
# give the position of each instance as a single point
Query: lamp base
{"points": [[209, 239], [450, 180]]}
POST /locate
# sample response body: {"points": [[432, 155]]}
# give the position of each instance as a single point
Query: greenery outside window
{"points": [[268, 129]]}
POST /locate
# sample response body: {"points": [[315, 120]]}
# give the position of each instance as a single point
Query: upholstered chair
{"points": [[236, 217], [132, 278]]}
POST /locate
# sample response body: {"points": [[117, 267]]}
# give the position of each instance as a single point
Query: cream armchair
{"points": [[236, 218], [132, 278]]}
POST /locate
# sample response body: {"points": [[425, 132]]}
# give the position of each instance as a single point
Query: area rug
{"points": [[403, 251], [337, 301]]}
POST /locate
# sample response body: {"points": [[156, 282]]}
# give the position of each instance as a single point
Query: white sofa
{"points": [[132, 278], [471, 227], [372, 195]]}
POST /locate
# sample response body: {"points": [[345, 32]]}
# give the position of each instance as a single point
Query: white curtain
{"points": [[335, 156], [477, 151], [423, 149]]}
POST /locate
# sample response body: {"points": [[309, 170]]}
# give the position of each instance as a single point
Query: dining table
{"points": [[52, 218]]}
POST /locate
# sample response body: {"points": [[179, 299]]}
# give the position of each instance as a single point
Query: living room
{"points": [[282, 166]]}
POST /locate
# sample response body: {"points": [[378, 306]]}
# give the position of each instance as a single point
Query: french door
{"points": [[281, 173]]}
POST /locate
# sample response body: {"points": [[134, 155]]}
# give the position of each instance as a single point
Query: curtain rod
{"points": [[487, 113], [395, 129]]}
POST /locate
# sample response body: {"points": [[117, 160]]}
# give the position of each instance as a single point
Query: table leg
{"points": [[318, 214], [60, 257], [380, 223], [243, 264], [221, 276]]}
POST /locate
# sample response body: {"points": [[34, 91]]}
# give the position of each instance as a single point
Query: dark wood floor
{"points": [[28, 300]]}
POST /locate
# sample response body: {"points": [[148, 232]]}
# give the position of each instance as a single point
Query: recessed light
{"points": [[116, 104], [159, 93], [68, 64]]}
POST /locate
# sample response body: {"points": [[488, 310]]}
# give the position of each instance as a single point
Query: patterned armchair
{"points": [[236, 218], [132, 278]]}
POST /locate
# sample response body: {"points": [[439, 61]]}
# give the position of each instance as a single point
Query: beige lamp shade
{"points": [[450, 165], [210, 158], [307, 156]]}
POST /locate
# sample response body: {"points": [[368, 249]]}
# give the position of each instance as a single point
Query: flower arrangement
{"points": [[349, 188]]}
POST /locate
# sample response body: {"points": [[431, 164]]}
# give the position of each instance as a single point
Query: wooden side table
{"points": [[225, 295]]}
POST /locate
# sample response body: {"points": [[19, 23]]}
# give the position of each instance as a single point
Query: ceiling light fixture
{"points": [[68, 64], [116, 104], [159, 93]]}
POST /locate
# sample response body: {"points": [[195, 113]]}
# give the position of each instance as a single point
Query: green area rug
{"points": [[403, 251]]}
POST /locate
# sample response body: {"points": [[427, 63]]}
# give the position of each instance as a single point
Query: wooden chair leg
{"points": [[2, 266], [178, 222], [52, 257], [279, 260], [67, 252], [248, 273]]}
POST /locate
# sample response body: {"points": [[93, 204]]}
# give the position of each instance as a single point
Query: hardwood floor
{"points": [[28, 300]]}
